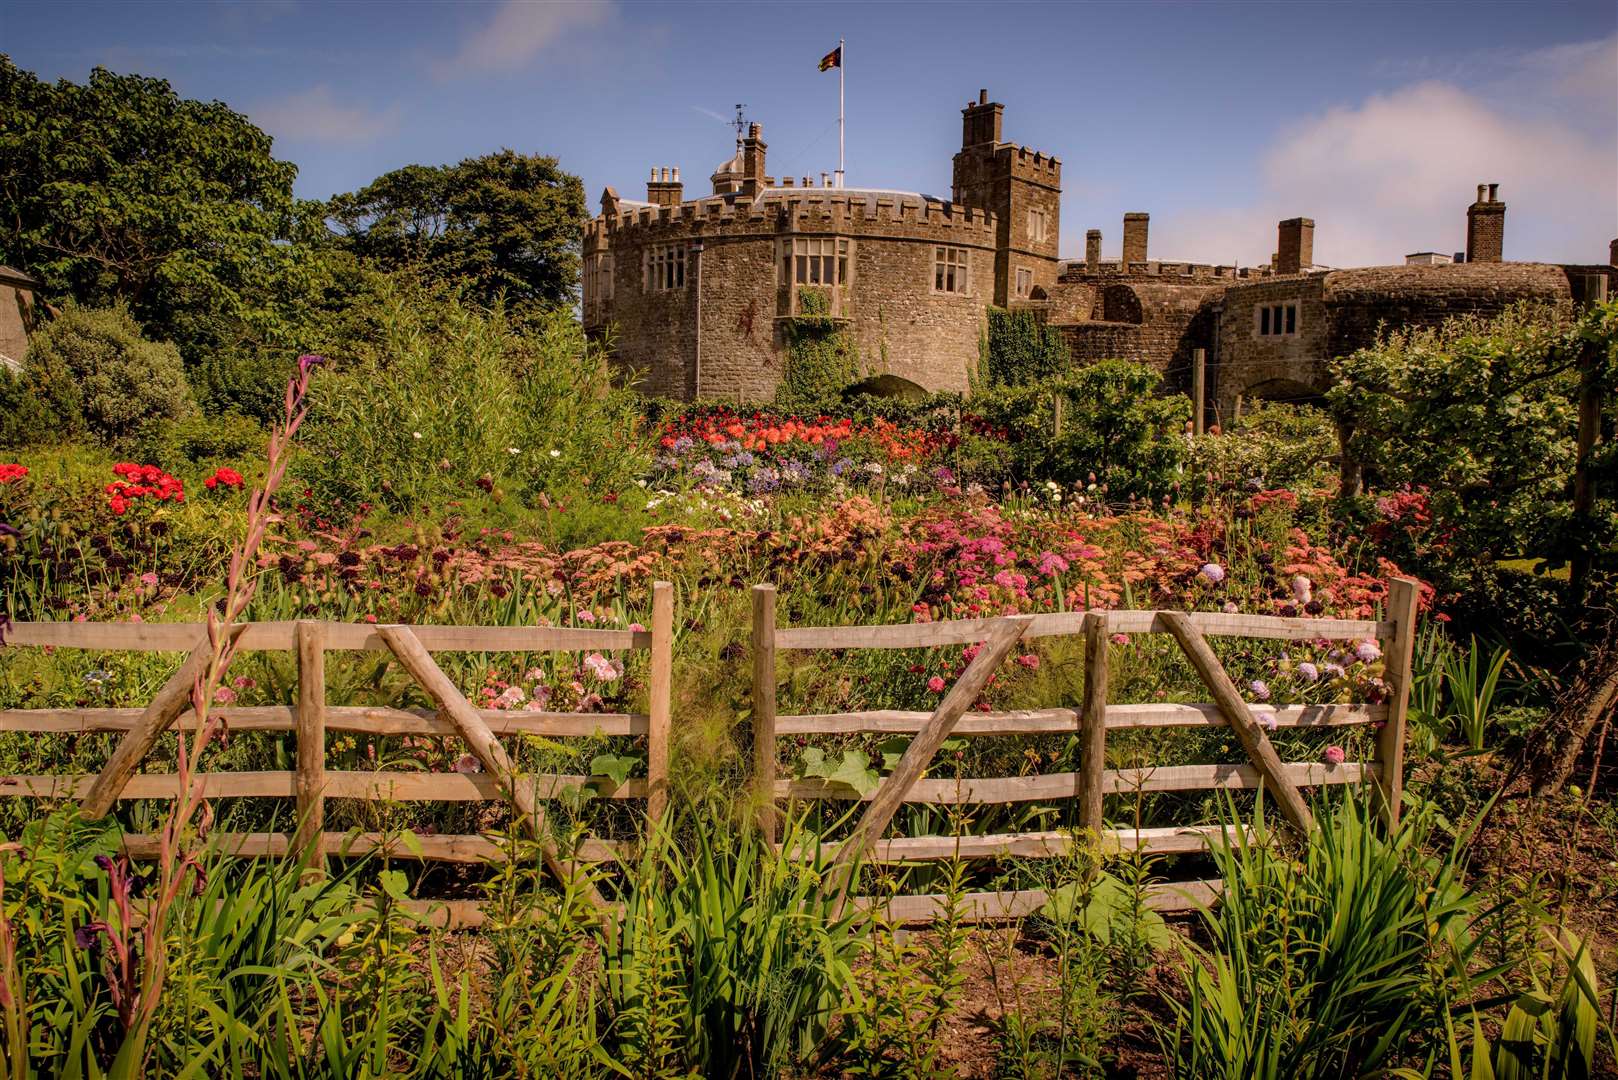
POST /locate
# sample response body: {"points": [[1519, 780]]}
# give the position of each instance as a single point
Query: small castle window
{"points": [[597, 278], [1025, 281], [1276, 320], [817, 261], [665, 267], [950, 270], [1036, 226]]}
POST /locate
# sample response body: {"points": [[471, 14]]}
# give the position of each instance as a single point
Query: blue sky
{"points": [[1375, 119]]}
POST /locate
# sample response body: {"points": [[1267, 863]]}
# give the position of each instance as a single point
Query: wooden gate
{"points": [[1091, 723]]}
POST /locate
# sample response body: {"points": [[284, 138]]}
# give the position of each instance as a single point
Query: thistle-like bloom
{"points": [[1334, 755], [1213, 573]]}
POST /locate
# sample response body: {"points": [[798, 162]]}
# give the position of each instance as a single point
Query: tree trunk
{"points": [[1593, 695]]}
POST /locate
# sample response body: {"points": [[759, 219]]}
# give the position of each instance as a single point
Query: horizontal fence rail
{"points": [[310, 718]]}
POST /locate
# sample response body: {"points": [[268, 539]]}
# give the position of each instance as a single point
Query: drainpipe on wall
{"points": [[696, 364]]}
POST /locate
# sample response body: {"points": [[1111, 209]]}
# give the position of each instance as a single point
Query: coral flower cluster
{"points": [[142, 482]]}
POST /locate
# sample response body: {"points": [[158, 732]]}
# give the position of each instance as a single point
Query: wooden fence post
{"points": [[1093, 724], [660, 700], [1199, 360], [764, 748], [309, 784], [1390, 741]]}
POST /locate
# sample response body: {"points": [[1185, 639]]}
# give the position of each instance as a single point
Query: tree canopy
{"points": [[501, 224], [121, 191]]}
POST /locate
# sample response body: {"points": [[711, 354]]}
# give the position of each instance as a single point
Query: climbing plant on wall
{"points": [[821, 357], [1020, 349]]}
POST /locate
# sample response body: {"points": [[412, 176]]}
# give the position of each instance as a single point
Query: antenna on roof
{"points": [[741, 124]]}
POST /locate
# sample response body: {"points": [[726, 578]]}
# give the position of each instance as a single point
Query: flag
{"points": [[833, 59]]}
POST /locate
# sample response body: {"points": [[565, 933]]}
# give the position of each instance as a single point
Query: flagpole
{"points": [[842, 61]]}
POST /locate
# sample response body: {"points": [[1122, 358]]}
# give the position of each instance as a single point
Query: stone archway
{"points": [[887, 386]]}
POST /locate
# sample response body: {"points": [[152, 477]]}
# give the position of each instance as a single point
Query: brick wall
{"points": [[17, 316]]}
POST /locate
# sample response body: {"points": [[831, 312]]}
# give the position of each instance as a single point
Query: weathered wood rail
{"points": [[312, 719]]}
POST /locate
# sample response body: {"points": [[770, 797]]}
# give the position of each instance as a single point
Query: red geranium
{"points": [[9, 473], [141, 482], [224, 477]]}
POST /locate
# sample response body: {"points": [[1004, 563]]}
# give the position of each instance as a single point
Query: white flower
{"points": [[512, 450], [556, 453], [417, 434]]}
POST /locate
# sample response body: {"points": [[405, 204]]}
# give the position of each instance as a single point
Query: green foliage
{"points": [[504, 225], [1272, 446], [729, 956], [1020, 349], [24, 418], [1484, 415], [1112, 424], [452, 399], [201, 440], [94, 373], [120, 190], [822, 360], [1332, 962]]}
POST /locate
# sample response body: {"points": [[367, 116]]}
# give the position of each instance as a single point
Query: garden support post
{"points": [[764, 748], [171, 700], [485, 746], [309, 784], [1093, 724], [659, 706], [1199, 361], [1390, 741], [1240, 718], [1003, 637]]}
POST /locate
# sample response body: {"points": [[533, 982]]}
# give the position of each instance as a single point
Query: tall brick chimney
{"points": [[1295, 245], [663, 189], [1486, 226], [980, 122], [1612, 253], [753, 148], [1092, 250], [1135, 238]]}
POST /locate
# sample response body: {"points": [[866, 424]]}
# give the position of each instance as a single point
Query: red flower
{"points": [[10, 473]]}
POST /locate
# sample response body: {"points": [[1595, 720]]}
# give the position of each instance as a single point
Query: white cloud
{"points": [[315, 114], [1394, 173], [519, 31]]}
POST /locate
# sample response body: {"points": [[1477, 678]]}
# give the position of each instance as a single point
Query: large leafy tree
{"points": [[119, 190], [504, 224]]}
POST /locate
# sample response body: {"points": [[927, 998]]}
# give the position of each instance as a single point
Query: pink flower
{"points": [[1334, 755], [970, 653], [636, 628], [601, 667], [936, 684], [1051, 563], [1302, 589], [370, 618], [1266, 720], [1119, 639], [585, 615], [224, 695], [1368, 651], [149, 579], [1029, 661], [466, 763], [1231, 608], [1213, 573]]}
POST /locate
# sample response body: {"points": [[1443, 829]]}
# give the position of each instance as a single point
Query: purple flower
{"points": [[7, 530], [307, 361], [1266, 720], [1308, 672], [1334, 671], [1260, 689], [1213, 573], [1368, 651], [86, 936]]}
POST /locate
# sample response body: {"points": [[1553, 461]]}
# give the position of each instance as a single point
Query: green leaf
{"points": [[614, 766]]}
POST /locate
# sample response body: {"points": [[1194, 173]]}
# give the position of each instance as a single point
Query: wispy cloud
{"points": [[1393, 173], [721, 117], [317, 115], [520, 31]]}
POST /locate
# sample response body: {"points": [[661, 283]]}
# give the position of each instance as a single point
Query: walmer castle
{"points": [[694, 292]]}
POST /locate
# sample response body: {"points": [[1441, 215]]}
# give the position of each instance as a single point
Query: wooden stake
{"points": [[1240, 718], [764, 748], [310, 780], [171, 699], [481, 741], [1093, 724], [1199, 361], [1396, 662], [660, 699], [1003, 636]]}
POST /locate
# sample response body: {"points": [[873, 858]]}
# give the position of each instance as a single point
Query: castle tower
{"points": [[1022, 188]]}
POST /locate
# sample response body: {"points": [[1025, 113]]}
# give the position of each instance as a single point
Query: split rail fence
{"points": [[311, 783]]}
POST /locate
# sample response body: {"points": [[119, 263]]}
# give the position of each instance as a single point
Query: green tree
{"points": [[1020, 349], [93, 372], [121, 191], [501, 224]]}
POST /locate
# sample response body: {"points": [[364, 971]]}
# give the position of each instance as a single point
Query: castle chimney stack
{"points": [[753, 148], [1135, 238], [1486, 226], [1295, 246], [1612, 253], [1092, 250], [664, 188], [981, 121]]}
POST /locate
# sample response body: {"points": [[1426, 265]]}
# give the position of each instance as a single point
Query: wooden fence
{"points": [[311, 718]]}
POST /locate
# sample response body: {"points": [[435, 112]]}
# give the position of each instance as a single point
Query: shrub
{"points": [[450, 400], [1019, 349], [93, 372], [1273, 446], [201, 440], [1111, 424], [24, 419], [821, 358]]}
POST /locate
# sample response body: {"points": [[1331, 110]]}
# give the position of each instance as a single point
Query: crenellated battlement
{"points": [[1026, 164], [1080, 272], [786, 211]]}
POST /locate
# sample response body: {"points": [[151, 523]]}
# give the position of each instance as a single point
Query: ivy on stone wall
{"points": [[1020, 349], [821, 357]]}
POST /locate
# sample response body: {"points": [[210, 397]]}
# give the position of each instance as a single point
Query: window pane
{"points": [[1264, 321], [803, 269], [842, 270], [1292, 318]]}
